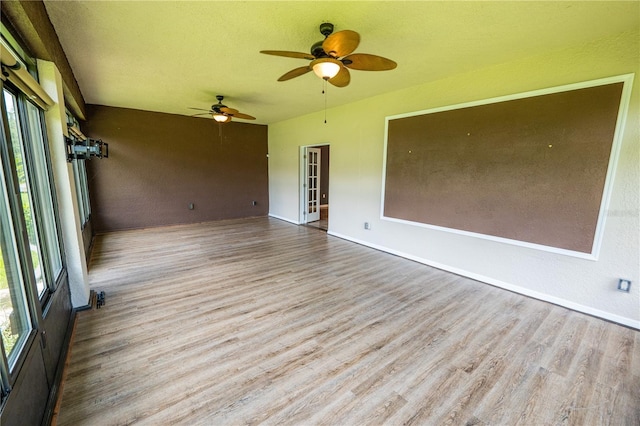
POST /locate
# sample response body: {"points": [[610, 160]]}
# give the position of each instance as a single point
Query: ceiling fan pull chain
{"points": [[324, 92]]}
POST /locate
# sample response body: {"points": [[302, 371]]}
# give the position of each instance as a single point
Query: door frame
{"points": [[302, 176], [313, 164]]}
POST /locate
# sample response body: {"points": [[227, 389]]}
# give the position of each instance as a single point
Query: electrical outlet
{"points": [[624, 285], [367, 226], [191, 206]]}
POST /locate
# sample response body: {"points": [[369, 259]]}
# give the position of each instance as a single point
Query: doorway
{"points": [[314, 186]]}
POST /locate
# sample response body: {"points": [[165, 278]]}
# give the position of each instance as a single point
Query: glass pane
{"points": [[85, 187], [82, 190], [43, 181], [14, 312], [24, 187], [76, 178]]}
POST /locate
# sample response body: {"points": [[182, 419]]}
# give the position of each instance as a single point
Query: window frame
{"points": [[55, 281], [8, 372], [81, 180], [16, 261], [52, 282], [37, 304], [30, 118]]}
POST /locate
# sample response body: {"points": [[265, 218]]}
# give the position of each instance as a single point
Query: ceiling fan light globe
{"points": [[326, 68], [221, 118]]}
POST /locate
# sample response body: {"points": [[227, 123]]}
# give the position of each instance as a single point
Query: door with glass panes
{"points": [[312, 181]]}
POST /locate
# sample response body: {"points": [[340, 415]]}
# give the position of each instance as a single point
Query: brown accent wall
{"points": [[324, 174], [530, 169], [160, 163]]}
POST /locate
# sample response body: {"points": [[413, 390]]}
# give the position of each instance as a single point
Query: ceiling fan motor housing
{"points": [[219, 105], [317, 51], [326, 28]]}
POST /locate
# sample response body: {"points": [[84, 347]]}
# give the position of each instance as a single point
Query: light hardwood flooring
{"points": [[260, 321], [322, 224]]}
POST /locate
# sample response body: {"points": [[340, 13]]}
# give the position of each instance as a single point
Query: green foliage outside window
{"points": [[6, 309]]}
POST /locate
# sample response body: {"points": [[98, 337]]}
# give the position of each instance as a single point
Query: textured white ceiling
{"points": [[168, 56]]}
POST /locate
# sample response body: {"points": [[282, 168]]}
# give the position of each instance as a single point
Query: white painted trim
{"points": [[501, 284], [301, 177], [526, 244], [302, 219], [275, 216], [56, 127], [621, 120], [626, 79], [312, 217]]}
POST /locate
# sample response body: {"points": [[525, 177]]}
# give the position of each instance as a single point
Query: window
{"points": [[31, 264], [25, 189], [82, 190], [14, 309], [76, 177], [31, 161], [80, 177], [31, 252], [41, 171]]}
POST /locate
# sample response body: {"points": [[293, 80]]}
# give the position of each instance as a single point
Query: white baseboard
{"points": [[507, 286], [295, 222]]}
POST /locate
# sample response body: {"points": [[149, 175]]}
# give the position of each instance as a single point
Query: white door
{"points": [[312, 182]]}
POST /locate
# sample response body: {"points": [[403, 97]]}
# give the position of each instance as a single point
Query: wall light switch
{"points": [[624, 285], [191, 206]]}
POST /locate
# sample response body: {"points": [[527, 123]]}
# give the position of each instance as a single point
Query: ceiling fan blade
{"points": [[227, 110], [342, 79], [199, 109], [243, 116], [196, 115], [232, 112], [341, 43], [288, 54], [366, 62], [296, 72]]}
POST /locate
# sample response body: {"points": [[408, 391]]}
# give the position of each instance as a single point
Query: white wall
{"points": [[356, 134], [69, 215]]}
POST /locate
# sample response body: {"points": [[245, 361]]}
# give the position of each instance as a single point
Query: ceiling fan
{"points": [[332, 57], [222, 113]]}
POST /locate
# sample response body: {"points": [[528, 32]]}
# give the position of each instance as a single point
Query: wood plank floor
{"points": [[260, 321]]}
